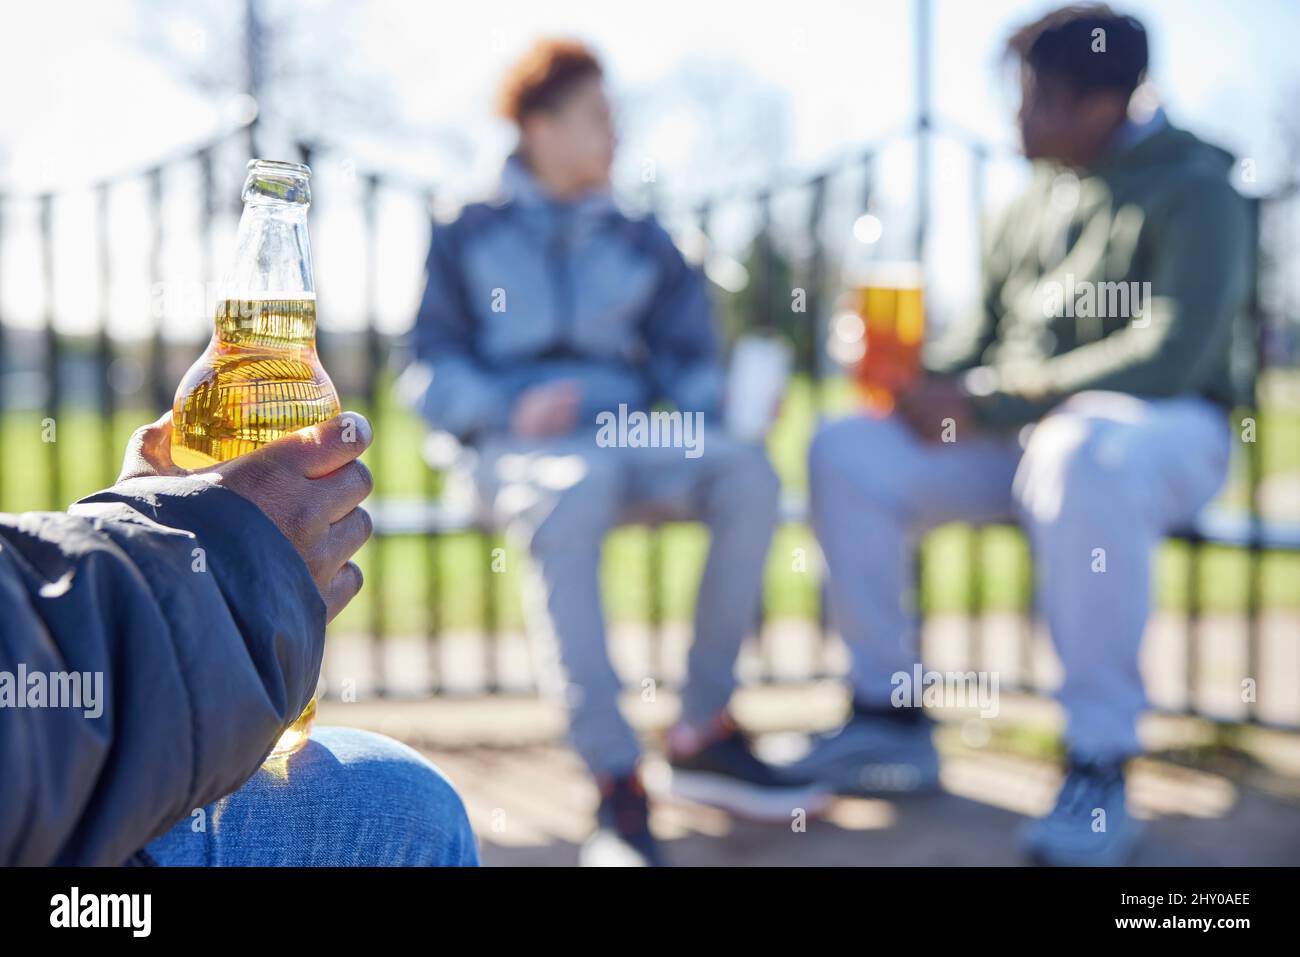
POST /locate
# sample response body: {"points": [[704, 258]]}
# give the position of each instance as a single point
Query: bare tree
{"points": [[294, 60], [710, 122]]}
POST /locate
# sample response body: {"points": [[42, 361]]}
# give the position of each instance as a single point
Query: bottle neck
{"points": [[272, 254]]}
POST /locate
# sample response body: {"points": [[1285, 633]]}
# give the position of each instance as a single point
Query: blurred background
{"points": [[774, 143]]}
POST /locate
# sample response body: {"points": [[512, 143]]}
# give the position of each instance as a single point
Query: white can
{"points": [[756, 381]]}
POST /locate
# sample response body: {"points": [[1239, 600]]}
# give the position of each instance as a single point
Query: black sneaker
{"points": [[1090, 826], [622, 837], [877, 751], [724, 773]]}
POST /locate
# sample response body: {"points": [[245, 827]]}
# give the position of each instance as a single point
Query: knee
{"points": [[747, 482], [828, 454], [577, 512], [857, 452], [1073, 466], [424, 815], [444, 834]]}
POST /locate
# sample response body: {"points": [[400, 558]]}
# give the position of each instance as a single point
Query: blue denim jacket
{"points": [[525, 290]]}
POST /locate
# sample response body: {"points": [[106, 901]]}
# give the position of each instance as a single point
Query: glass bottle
{"points": [[260, 376]]}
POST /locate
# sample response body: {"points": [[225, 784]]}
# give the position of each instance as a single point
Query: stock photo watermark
{"points": [[130, 911], [1085, 299], [653, 430], [77, 690], [946, 689]]}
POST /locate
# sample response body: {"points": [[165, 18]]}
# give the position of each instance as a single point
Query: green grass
{"points": [[87, 460]]}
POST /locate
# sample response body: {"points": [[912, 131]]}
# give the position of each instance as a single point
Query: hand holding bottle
{"points": [[309, 483], [546, 410]]}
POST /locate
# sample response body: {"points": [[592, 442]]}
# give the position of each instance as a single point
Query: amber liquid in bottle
{"points": [[259, 379], [260, 376]]}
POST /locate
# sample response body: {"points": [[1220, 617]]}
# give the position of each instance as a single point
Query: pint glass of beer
{"points": [[888, 299]]}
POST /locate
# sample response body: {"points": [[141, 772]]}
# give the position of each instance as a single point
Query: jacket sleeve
{"points": [[684, 354], [197, 633], [1199, 275], [445, 382]]}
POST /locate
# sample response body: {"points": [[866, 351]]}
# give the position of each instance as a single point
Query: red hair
{"points": [[544, 76]]}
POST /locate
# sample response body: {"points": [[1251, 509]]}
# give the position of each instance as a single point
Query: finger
{"points": [[343, 490], [318, 450], [149, 450], [909, 418], [342, 588], [929, 424], [348, 534], [563, 421]]}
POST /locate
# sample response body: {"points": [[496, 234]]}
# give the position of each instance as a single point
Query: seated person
{"points": [[544, 311], [194, 606], [1099, 428]]}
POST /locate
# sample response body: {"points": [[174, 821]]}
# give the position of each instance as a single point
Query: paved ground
{"points": [[532, 804]]}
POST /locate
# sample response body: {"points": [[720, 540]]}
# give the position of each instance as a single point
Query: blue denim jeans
{"points": [[346, 798]]}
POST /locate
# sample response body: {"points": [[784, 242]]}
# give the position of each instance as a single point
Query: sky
{"points": [[99, 88]]}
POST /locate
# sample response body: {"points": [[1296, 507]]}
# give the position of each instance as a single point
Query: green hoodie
{"points": [[1130, 277]]}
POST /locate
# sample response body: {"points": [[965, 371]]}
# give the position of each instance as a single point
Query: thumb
{"points": [[149, 451], [318, 450]]}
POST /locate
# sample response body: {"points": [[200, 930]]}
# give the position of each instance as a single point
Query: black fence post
{"points": [[808, 350], [975, 595], [975, 648], [110, 455], [808, 360], [655, 596], [491, 619], [765, 261], [370, 388], [1191, 625], [160, 384], [766, 323], [207, 214], [433, 590], [1255, 472], [53, 358]]}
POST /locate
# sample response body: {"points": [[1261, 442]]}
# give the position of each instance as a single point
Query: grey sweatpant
{"points": [[1098, 483], [560, 497]]}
